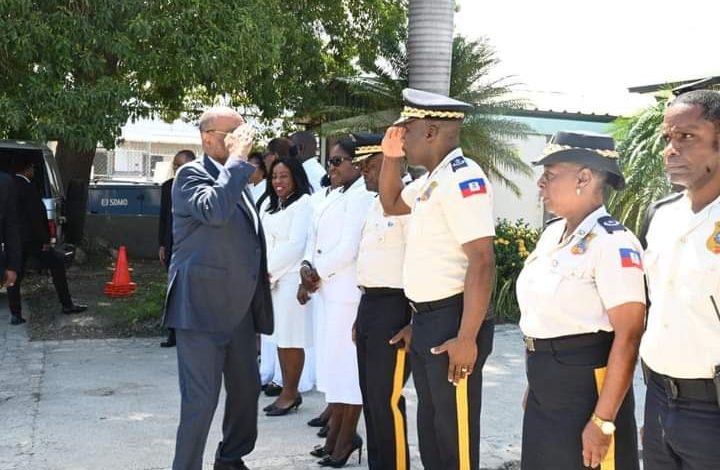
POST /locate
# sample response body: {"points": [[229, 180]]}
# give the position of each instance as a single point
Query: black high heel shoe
{"points": [[332, 462], [317, 422], [277, 411], [319, 451], [271, 406]]}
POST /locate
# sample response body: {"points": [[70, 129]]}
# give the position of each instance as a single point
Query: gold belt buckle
{"points": [[529, 343]]}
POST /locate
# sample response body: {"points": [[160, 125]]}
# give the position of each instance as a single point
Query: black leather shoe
{"points": [[317, 422], [273, 390], [323, 432], [332, 462], [230, 466], [277, 411], [17, 320], [74, 308]]}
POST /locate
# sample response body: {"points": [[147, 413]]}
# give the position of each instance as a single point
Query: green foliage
{"points": [[513, 243], [640, 146], [145, 305], [77, 70], [376, 99]]}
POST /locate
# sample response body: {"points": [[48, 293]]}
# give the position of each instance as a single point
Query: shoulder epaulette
{"points": [[552, 221], [610, 224], [666, 200], [650, 213]]}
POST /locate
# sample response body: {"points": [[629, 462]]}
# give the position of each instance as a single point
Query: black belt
{"points": [[686, 389], [566, 343], [424, 307], [380, 290]]}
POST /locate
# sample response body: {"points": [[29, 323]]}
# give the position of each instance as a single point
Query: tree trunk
{"points": [[430, 38], [75, 165]]}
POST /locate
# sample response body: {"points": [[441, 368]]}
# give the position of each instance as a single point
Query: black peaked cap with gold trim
{"points": [[366, 145], [595, 151], [420, 104]]}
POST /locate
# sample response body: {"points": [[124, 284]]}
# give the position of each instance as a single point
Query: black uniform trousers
{"points": [[682, 430], [383, 372], [448, 419], [564, 381], [51, 260]]}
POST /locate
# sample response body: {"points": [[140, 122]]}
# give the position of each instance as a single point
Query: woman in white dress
{"points": [[329, 270], [285, 220]]}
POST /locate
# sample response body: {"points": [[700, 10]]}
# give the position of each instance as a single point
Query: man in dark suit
{"points": [[165, 237], [35, 242], [219, 293], [10, 252]]}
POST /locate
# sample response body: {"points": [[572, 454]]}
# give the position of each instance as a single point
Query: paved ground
{"points": [[113, 404]]}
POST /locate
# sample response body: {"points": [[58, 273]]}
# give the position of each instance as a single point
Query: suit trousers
{"points": [[204, 360], [448, 419], [50, 260], [563, 389], [680, 434], [383, 372]]}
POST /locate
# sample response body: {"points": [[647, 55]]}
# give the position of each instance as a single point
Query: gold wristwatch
{"points": [[606, 427]]}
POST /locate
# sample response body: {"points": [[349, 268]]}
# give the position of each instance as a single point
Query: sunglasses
{"points": [[337, 161]]}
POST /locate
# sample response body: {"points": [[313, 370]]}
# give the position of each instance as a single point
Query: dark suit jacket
{"points": [[10, 248], [218, 270], [165, 237], [34, 230]]}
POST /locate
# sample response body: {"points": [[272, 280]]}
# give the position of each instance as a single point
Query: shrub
{"points": [[513, 243]]}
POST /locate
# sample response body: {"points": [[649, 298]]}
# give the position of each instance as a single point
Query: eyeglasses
{"points": [[337, 161], [219, 132]]}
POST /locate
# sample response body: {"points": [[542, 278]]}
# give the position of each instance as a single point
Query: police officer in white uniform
{"points": [[448, 273], [582, 302], [383, 312], [681, 347]]}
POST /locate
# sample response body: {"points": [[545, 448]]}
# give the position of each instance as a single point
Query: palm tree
{"points": [[430, 44], [486, 135], [640, 146]]}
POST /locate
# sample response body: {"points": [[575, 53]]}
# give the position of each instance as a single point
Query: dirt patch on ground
{"points": [[138, 315]]}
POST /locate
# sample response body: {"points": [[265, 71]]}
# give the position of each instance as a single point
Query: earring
{"points": [[577, 190]]}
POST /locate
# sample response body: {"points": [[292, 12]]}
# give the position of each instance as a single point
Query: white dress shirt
{"points": [[315, 173], [450, 207], [682, 261], [382, 249], [566, 289]]}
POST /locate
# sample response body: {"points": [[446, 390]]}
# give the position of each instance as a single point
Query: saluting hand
{"points": [[595, 445], [240, 141], [462, 354], [393, 142], [403, 338]]}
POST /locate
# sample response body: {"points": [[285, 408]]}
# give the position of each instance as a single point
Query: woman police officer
{"points": [[582, 300]]}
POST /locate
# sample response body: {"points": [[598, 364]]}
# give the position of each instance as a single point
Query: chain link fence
{"points": [[138, 161]]}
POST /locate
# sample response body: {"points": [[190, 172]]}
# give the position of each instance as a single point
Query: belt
{"points": [[565, 343], [380, 290], [424, 307], [686, 389]]}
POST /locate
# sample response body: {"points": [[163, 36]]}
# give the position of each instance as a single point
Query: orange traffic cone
{"points": [[121, 285]]}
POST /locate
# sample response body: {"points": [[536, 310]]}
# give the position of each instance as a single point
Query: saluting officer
{"points": [[582, 302], [681, 346], [383, 312], [448, 273]]}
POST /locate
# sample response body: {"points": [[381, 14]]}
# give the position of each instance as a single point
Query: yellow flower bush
{"points": [[513, 244]]}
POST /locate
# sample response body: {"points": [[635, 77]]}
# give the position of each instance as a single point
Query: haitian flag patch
{"points": [[472, 187], [630, 258]]}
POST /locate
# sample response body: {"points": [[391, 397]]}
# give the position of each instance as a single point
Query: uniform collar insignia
{"points": [[581, 247], [713, 243]]}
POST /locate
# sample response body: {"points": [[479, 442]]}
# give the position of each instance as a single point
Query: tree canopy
{"points": [[76, 71]]}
